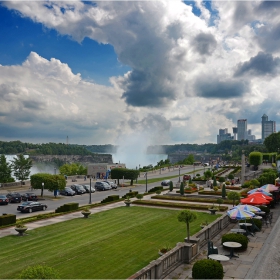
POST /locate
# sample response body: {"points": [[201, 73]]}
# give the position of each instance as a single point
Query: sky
{"points": [[136, 73]]}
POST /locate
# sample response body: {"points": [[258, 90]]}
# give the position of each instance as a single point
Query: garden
{"points": [[112, 244]]}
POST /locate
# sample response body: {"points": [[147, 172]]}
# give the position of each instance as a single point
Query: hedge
{"points": [[67, 207], [111, 198], [7, 219], [177, 205]]}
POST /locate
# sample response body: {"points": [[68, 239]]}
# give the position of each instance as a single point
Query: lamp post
{"points": [[179, 175], [89, 191], [42, 190], [146, 181]]}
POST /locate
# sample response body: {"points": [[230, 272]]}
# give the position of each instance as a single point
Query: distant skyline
{"points": [[136, 73]]}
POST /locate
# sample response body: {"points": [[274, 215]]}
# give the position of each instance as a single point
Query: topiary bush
{"points": [[39, 272], [264, 209], [234, 237], [207, 269]]}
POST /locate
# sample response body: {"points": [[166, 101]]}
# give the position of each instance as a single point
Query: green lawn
{"points": [[108, 245]]}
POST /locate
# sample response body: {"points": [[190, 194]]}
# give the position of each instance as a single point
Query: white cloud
{"points": [[181, 67]]}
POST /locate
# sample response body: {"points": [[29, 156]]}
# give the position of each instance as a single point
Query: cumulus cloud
{"points": [[164, 43], [259, 65]]}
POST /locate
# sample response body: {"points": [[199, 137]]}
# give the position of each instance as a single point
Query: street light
{"points": [[89, 191], [42, 190], [146, 181], [179, 175]]}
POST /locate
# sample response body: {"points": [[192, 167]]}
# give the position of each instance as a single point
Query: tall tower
{"points": [[268, 127], [234, 130], [242, 129]]}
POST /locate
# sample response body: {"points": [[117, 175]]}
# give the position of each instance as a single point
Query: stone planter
{"points": [[21, 231], [213, 211], [127, 203], [86, 214]]}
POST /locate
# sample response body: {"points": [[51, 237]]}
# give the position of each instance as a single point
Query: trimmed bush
{"points": [[234, 237], [67, 207], [130, 194], [8, 219], [110, 198], [139, 196], [264, 209], [207, 269], [154, 189], [39, 272]]}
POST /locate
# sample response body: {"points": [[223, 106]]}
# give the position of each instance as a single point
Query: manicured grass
{"points": [[112, 244]]}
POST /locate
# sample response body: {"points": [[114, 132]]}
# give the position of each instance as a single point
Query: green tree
{"points": [[272, 142], [207, 174], [233, 196], [5, 170], [219, 202], [73, 169], [39, 272], [171, 186], [120, 173], [224, 193], [51, 182], [21, 167], [215, 182], [255, 159], [187, 217], [182, 188]]}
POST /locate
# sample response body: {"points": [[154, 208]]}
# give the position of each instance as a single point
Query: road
{"points": [[54, 203]]}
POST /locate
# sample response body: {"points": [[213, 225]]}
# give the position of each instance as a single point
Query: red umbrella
{"points": [[254, 200], [259, 194]]}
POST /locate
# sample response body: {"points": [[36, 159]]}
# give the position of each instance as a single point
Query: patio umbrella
{"points": [[254, 200], [260, 191], [269, 188], [247, 207], [258, 194], [239, 214]]}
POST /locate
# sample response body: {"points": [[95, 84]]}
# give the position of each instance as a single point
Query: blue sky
{"points": [[136, 73]]}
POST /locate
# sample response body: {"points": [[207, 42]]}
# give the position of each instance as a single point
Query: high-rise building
{"points": [[223, 135], [234, 129], [268, 127], [242, 129]]}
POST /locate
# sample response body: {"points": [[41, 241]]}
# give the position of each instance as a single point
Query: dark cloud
{"points": [[204, 43], [33, 104], [259, 65], [225, 89], [178, 118], [145, 89], [268, 6]]}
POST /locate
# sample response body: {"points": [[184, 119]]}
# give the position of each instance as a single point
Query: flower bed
{"points": [[210, 193], [236, 188]]}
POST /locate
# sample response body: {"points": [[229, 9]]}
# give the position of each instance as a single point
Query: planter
{"points": [[86, 214], [21, 231], [213, 211], [127, 203]]}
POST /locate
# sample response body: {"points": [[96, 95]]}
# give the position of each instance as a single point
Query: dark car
{"points": [[87, 188], [165, 183], [79, 189], [67, 191], [31, 206], [4, 200], [112, 184], [102, 186], [14, 197], [29, 197]]}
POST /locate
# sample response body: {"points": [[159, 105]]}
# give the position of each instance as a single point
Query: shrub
{"points": [[158, 192], [139, 196], [154, 189], [110, 198], [39, 272], [67, 207], [227, 183], [240, 238], [207, 269], [130, 194], [264, 209]]}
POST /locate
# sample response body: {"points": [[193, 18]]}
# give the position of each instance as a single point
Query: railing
{"points": [[183, 253]]}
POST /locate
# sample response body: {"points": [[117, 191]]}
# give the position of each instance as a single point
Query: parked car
{"points": [[87, 188], [79, 189], [67, 191], [102, 186], [112, 184], [14, 197], [4, 200], [29, 197], [31, 206], [165, 183]]}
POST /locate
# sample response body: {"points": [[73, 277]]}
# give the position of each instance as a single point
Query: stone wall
{"points": [[96, 158]]}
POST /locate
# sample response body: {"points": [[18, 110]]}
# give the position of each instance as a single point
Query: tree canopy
{"points": [[272, 142], [21, 167], [5, 170], [187, 216]]}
